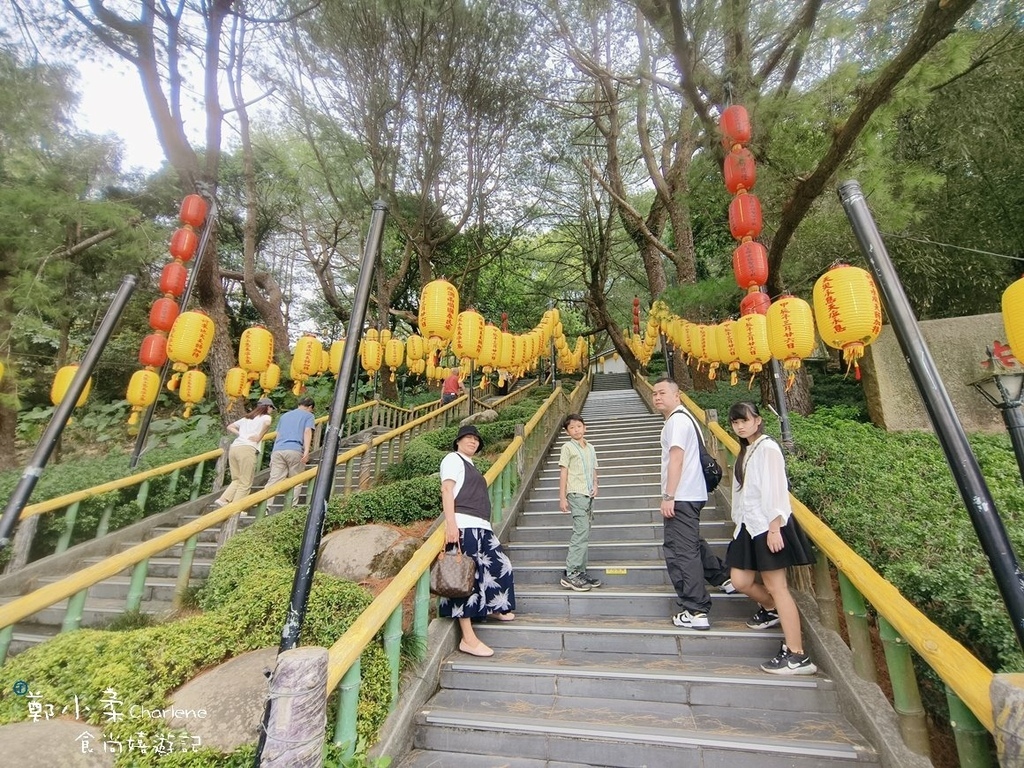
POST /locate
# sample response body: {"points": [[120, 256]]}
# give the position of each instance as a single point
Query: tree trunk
{"points": [[798, 397]]}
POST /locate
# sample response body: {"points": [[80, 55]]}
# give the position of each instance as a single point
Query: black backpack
{"points": [[709, 465]]}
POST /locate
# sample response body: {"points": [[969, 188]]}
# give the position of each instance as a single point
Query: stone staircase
{"points": [[603, 678], [107, 599]]}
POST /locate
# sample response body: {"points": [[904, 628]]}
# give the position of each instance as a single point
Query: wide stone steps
{"points": [[603, 678]]}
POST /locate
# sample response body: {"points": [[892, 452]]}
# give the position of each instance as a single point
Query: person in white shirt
{"points": [[244, 450], [684, 493], [767, 538]]}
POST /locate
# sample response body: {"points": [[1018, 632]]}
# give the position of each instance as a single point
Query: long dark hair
{"points": [[259, 410], [740, 412]]}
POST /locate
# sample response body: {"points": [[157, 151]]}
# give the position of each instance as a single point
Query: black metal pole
{"points": [[324, 481], [23, 490], [1014, 419], [781, 406], [147, 414], [554, 383], [469, 389], [964, 465]]}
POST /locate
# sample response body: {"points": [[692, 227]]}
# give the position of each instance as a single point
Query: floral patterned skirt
{"points": [[495, 591]]}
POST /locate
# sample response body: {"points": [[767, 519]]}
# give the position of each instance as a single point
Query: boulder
{"points": [[365, 552], [56, 744], [480, 417], [223, 707]]}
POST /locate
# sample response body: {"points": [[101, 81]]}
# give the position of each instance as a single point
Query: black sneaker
{"points": [[763, 619], [576, 582], [789, 663], [594, 583]]}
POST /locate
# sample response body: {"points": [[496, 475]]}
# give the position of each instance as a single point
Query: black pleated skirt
{"points": [[752, 554]]}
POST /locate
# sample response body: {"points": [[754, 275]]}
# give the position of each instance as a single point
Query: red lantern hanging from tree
{"points": [[740, 171], [755, 302], [735, 125], [745, 216], [750, 264]]}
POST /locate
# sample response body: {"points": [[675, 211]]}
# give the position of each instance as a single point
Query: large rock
{"points": [[55, 744], [224, 706], [480, 417], [366, 552]]}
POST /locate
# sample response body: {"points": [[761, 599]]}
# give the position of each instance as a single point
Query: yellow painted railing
{"points": [[138, 555], [958, 668]]}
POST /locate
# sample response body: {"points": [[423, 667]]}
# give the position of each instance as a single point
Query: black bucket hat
{"points": [[468, 429]]}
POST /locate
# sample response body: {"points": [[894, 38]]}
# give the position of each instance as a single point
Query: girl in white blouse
{"points": [[767, 539]]}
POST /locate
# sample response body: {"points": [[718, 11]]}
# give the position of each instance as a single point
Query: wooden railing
{"points": [[373, 413], [901, 625], [75, 587], [508, 474]]}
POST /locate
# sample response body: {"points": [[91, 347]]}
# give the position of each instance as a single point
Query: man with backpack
{"points": [[684, 493]]}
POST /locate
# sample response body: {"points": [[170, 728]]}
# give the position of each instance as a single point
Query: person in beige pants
{"points": [[244, 450]]}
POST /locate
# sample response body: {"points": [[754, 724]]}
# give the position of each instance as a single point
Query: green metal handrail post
{"points": [[172, 484], [142, 496], [6, 636], [197, 480], [73, 613], [104, 524], [69, 526], [185, 568], [905, 693], [421, 608], [857, 627], [973, 743], [824, 595], [348, 477], [137, 585], [393, 650], [348, 707], [289, 496], [261, 510]]}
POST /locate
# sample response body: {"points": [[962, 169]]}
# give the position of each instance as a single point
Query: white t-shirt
{"points": [[453, 467], [681, 431], [765, 492], [249, 430]]}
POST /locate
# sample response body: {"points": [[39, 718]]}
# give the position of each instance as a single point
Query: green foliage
{"points": [[398, 503], [920, 537]]}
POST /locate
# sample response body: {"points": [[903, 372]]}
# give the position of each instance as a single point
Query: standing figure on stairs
{"points": [[467, 522], [244, 451], [294, 440], [688, 557], [577, 489], [767, 539]]}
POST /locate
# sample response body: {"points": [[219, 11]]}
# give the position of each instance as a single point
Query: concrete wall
{"points": [[957, 346]]}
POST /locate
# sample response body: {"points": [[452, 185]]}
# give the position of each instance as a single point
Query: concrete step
{"points": [[633, 532], [637, 574], [613, 600], [651, 733], [163, 567], [626, 677], [116, 588], [713, 524], [622, 482], [98, 612], [600, 551]]}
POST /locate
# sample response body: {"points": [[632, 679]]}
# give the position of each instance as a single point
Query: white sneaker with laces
{"points": [[694, 620]]}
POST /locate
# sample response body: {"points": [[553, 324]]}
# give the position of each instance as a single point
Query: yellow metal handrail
{"points": [[958, 667]]}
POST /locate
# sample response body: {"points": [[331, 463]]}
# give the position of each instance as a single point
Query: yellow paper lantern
{"points": [[1013, 318], [191, 389], [61, 383], [271, 377], [190, 339], [236, 384], [255, 350], [439, 307], [394, 353], [415, 348], [728, 348], [307, 357], [1, 371], [490, 347], [790, 333], [142, 391], [752, 336], [505, 351], [847, 311], [468, 339], [335, 355], [371, 355]]}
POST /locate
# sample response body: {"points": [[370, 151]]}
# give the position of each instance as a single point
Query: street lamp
{"points": [[1003, 386]]}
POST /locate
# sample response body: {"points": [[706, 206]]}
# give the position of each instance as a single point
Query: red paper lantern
{"points": [[755, 303], [193, 211], [153, 350], [735, 125], [163, 314], [745, 216], [173, 278], [183, 244], [750, 264], [740, 171]]}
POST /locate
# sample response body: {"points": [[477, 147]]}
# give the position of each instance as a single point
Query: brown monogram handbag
{"points": [[453, 574]]}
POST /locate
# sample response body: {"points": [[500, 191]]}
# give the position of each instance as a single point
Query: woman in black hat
{"points": [[467, 522]]}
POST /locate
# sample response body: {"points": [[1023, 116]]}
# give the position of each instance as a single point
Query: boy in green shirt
{"points": [[577, 488]]}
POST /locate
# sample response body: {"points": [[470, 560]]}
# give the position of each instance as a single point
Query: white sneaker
{"points": [[727, 587], [695, 620]]}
